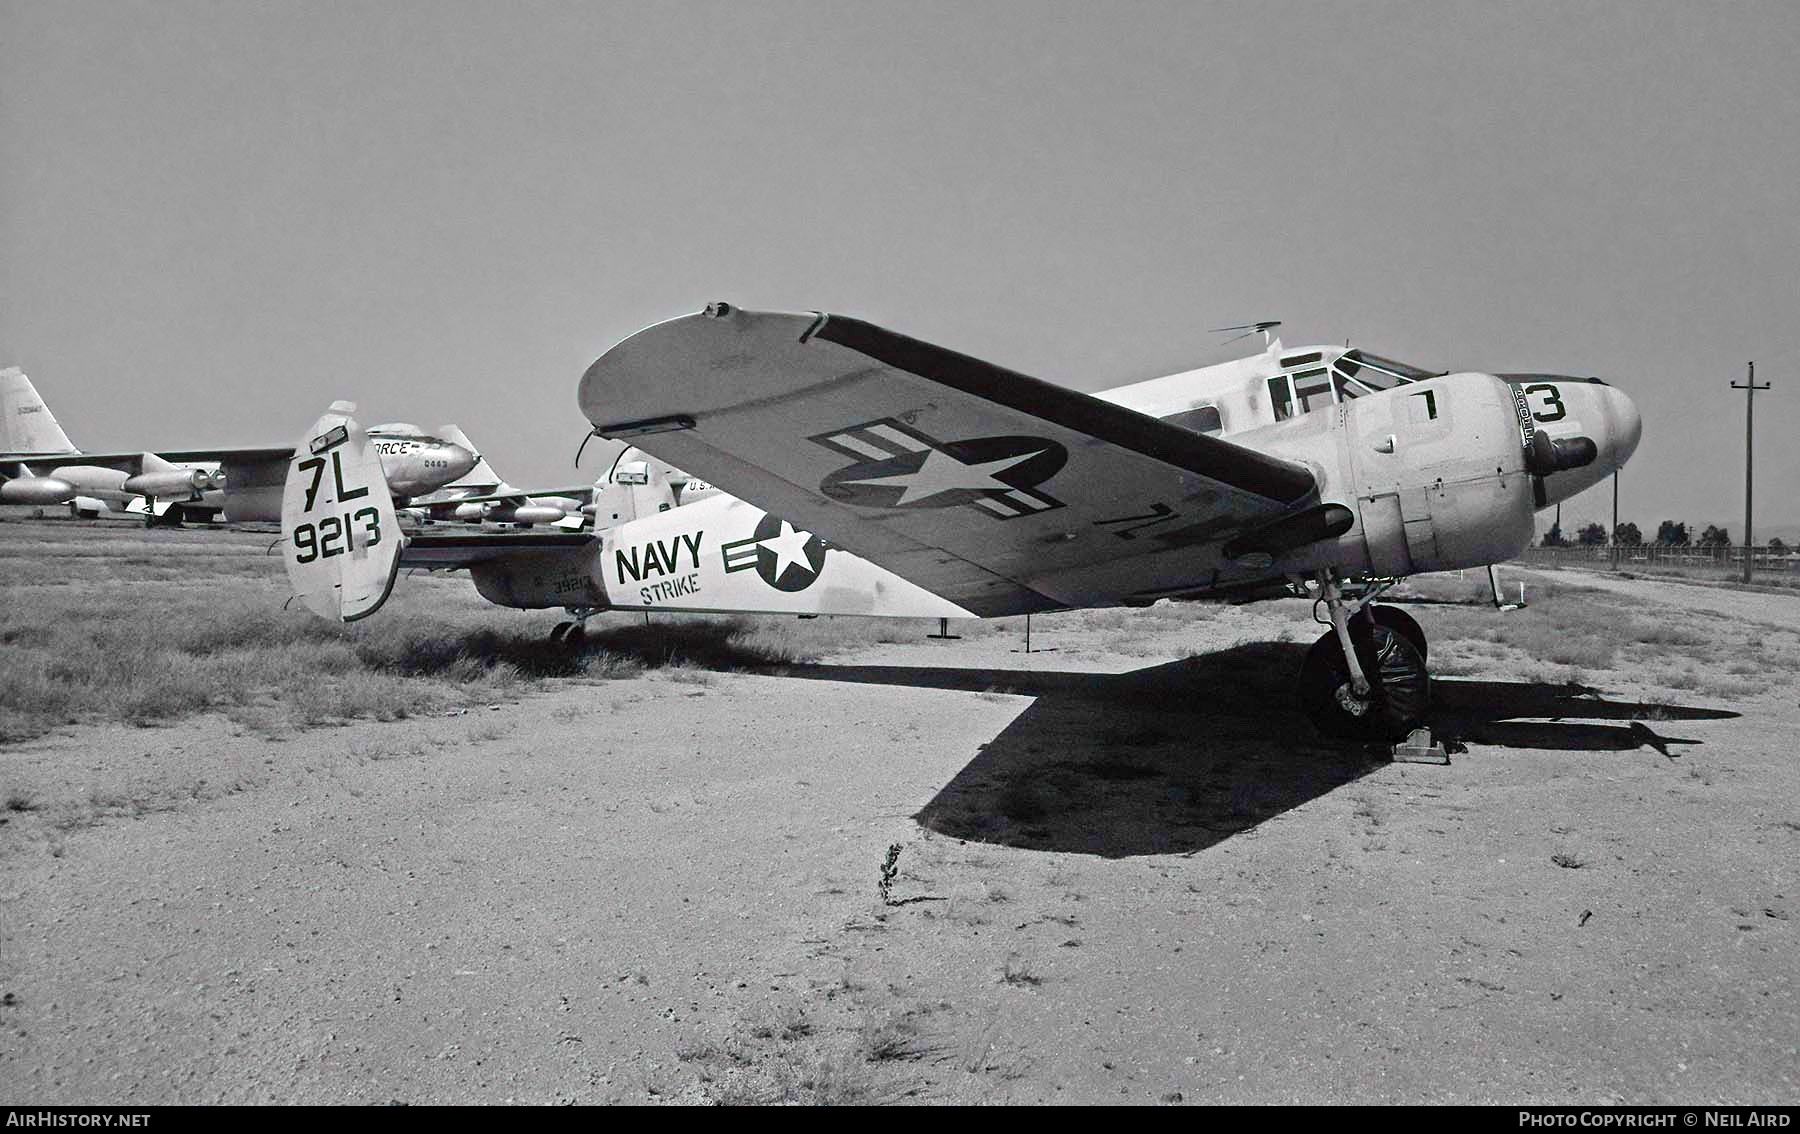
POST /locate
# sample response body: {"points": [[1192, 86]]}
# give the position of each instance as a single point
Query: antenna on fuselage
{"points": [[1266, 327]]}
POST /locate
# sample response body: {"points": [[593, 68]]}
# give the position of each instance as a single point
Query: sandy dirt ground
{"points": [[1126, 873]]}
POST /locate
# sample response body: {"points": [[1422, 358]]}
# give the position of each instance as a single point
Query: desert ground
{"points": [[247, 856]]}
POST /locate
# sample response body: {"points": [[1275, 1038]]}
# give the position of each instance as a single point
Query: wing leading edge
{"points": [[998, 491]]}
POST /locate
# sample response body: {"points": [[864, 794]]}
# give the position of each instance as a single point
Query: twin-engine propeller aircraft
{"points": [[909, 480], [40, 465], [1319, 471]]}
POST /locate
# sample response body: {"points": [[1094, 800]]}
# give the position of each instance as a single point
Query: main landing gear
{"points": [[573, 633], [1365, 679]]}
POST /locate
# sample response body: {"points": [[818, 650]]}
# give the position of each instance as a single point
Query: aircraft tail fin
{"points": [[482, 477], [637, 485], [341, 540], [26, 423]]}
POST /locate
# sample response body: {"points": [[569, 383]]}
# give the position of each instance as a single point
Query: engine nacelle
{"points": [[534, 514], [1440, 475], [37, 490], [92, 478], [1435, 472], [170, 482]]}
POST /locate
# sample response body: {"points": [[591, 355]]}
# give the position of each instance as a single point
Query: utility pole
{"points": [[1749, 387]]}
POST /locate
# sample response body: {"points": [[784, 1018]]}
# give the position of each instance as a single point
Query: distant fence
{"points": [[1722, 562]]}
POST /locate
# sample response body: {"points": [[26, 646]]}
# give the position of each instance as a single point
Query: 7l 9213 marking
{"points": [[322, 541]]}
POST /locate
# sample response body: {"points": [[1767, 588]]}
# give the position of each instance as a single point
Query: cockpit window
{"points": [[1318, 379], [1312, 389], [1377, 373]]}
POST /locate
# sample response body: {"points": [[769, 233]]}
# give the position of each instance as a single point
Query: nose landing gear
{"points": [[1365, 678]]}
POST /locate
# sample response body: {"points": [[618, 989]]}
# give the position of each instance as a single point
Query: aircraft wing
{"points": [[133, 461], [253, 476], [997, 491]]}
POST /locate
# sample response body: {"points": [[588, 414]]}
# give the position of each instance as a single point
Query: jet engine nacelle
{"points": [[37, 490], [533, 514], [92, 478], [170, 482]]}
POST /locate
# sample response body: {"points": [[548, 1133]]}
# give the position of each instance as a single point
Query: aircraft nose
{"points": [[459, 459], [1624, 425]]}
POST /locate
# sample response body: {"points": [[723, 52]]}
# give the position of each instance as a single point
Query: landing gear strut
{"points": [[1365, 678], [573, 633]]}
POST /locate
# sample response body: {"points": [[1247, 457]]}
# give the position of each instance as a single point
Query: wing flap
{"points": [[996, 490]]}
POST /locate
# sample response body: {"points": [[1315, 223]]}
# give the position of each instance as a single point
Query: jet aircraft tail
{"points": [[26, 423]]}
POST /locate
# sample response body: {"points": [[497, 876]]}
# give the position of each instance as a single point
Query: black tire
{"points": [[576, 636], [1396, 619], [562, 629], [1400, 688]]}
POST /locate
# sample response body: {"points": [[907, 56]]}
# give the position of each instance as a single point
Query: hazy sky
{"points": [[216, 218]]}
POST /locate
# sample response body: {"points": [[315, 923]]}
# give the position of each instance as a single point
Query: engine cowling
{"points": [[37, 490], [1439, 474]]}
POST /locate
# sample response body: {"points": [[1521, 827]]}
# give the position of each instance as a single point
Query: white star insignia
{"points": [[943, 473], [789, 548]]}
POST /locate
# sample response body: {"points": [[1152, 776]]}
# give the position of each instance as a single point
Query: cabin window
{"points": [[1279, 398], [1200, 419]]}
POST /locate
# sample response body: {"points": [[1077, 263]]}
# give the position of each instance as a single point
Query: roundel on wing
{"points": [[779, 566], [998, 474]]}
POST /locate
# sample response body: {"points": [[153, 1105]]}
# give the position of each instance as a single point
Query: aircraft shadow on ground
{"points": [[1177, 757]]}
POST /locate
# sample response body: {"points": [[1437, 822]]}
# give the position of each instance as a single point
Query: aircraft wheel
{"points": [[562, 630], [576, 636], [1405, 624], [1399, 693]]}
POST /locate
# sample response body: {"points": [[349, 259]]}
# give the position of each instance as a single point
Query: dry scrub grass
{"points": [[1568, 633], [112, 623]]}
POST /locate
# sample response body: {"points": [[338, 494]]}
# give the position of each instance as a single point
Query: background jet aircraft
{"points": [[483, 497], [38, 466]]}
